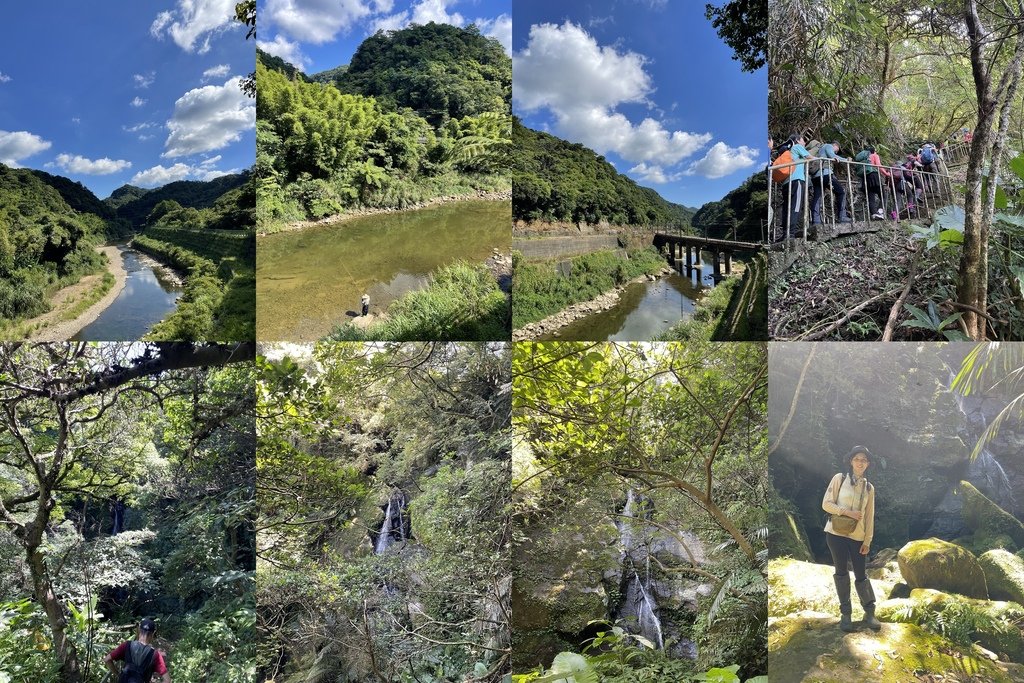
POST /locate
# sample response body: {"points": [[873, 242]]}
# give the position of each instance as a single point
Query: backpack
{"points": [[927, 154], [139, 662], [781, 175], [860, 501], [814, 167]]}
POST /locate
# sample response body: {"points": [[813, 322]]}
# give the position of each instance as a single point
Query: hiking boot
{"points": [[845, 609], [867, 600]]}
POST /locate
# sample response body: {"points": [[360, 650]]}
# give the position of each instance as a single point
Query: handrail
{"points": [[895, 192]]}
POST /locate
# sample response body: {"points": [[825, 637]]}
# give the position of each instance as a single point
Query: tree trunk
{"points": [[65, 650]]}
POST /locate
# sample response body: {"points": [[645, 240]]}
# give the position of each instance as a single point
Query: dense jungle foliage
{"points": [[383, 494], [224, 203], [165, 432], [639, 485], [44, 243], [556, 180], [895, 75], [407, 122]]}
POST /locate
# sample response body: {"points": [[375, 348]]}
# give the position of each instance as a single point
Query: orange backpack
{"points": [[781, 175]]}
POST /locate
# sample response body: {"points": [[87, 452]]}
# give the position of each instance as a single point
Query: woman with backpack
{"points": [[791, 175], [870, 166], [141, 659], [850, 503]]}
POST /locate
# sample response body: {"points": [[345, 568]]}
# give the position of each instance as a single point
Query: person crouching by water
{"points": [[850, 502], [365, 302]]}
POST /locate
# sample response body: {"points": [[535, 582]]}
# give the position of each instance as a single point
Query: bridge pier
{"points": [[717, 268], [728, 263], [689, 260]]}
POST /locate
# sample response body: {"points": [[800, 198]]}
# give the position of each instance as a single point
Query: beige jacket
{"points": [[848, 498]]}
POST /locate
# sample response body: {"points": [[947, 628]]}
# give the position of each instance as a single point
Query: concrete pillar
{"points": [[728, 263], [689, 261], [717, 256]]}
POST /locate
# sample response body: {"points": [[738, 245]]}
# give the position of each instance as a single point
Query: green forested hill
{"points": [[556, 180], [741, 210], [78, 196], [329, 76], [44, 241], [134, 204], [440, 71], [275, 63]]}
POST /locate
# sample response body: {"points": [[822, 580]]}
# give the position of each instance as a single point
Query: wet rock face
{"points": [[934, 563], [986, 519]]}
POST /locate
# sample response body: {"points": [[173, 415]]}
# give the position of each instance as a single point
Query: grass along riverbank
{"points": [[736, 309], [539, 290], [218, 301], [463, 302], [73, 306]]}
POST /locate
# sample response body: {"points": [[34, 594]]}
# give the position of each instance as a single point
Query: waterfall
{"points": [[394, 526], [384, 537], [638, 603], [985, 471]]}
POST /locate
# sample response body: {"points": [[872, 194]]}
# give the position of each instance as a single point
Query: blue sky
{"points": [[316, 35], [646, 83], [120, 91]]}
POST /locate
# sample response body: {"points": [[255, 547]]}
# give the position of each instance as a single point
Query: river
{"points": [[645, 309], [149, 295], [309, 281]]}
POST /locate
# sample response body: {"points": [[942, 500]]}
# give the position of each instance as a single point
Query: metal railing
{"points": [[956, 152], [866, 198]]}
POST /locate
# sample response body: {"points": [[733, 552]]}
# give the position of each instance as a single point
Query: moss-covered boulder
{"points": [[944, 566], [984, 517], [788, 538], [1004, 574], [795, 586], [994, 622], [808, 647]]}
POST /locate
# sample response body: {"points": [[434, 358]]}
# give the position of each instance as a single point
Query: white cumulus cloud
{"points": [[18, 145], [654, 174], [318, 21], [194, 22], [721, 160], [285, 49], [81, 165], [499, 28], [159, 175], [138, 101], [564, 70], [219, 71], [4, 78], [209, 118]]}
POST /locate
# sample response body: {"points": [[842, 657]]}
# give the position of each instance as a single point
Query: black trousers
{"points": [[818, 190], [844, 551], [794, 191]]}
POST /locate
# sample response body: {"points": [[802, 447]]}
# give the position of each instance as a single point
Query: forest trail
{"points": [[53, 325]]}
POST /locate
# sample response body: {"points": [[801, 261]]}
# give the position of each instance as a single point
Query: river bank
{"points": [[51, 327], [480, 195], [552, 323]]}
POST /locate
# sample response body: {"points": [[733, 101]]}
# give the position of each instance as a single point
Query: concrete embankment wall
{"points": [[543, 248]]}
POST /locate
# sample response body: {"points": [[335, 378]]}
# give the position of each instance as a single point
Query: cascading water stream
{"points": [[394, 526], [985, 471], [384, 538], [638, 603]]}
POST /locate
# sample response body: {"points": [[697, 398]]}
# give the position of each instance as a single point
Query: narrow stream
{"points": [[645, 309], [148, 296]]}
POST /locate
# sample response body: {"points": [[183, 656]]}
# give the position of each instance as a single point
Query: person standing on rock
{"points": [[850, 503], [364, 304]]}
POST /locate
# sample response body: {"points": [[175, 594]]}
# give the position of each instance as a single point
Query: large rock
{"points": [[795, 586], [985, 517], [808, 647], [934, 563], [997, 632], [1004, 574]]}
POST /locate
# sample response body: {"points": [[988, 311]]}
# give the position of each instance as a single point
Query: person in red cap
{"points": [[141, 659]]}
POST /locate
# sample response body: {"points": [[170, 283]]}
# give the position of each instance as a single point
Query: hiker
{"points": [[927, 155], [868, 173], [793, 184], [364, 300], [828, 151], [141, 659], [850, 502], [910, 173]]}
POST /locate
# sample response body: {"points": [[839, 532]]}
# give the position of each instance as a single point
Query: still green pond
{"points": [[309, 281]]}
